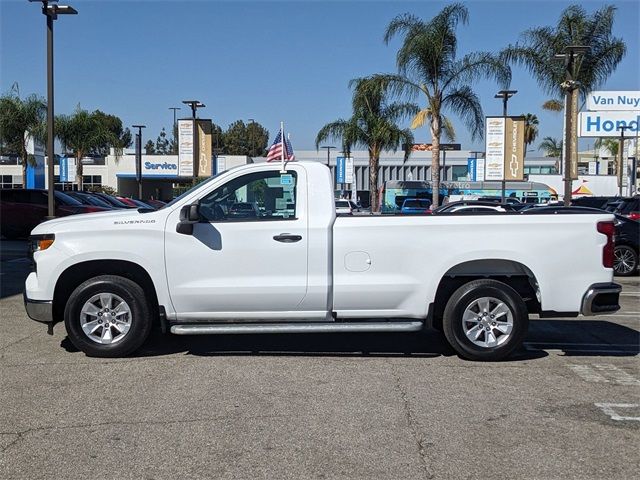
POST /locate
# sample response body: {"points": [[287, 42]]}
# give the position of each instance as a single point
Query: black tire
{"points": [[464, 298], [140, 318], [629, 266]]}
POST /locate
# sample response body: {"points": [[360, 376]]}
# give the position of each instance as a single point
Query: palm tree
{"points": [[428, 68], [575, 26], [373, 125], [530, 130], [552, 147], [84, 133], [611, 145], [21, 119]]}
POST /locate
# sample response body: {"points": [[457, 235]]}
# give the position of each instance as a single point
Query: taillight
{"points": [[608, 229], [634, 216]]}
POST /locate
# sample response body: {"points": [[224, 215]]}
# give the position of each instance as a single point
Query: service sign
{"points": [[616, 101], [608, 124]]}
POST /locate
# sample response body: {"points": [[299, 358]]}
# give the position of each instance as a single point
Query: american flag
{"points": [[275, 151]]}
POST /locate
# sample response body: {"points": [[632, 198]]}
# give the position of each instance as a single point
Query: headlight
{"points": [[38, 243]]}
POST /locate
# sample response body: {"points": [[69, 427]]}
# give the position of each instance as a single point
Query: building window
{"points": [[10, 181], [89, 182]]}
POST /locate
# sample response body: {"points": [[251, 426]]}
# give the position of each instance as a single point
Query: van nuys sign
{"points": [[609, 112], [615, 100]]}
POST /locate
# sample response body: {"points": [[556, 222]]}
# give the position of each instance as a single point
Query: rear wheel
{"points": [[485, 320], [108, 316], [625, 261]]}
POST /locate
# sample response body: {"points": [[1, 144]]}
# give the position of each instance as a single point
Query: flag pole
{"points": [[284, 146]]}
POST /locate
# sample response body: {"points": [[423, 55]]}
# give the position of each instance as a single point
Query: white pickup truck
{"points": [[259, 249]]}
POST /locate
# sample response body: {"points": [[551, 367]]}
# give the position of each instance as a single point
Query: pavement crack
{"points": [[421, 443]]}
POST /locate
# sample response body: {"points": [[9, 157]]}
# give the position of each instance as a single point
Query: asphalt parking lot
{"points": [[396, 406]]}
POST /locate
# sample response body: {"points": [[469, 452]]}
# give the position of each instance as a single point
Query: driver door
{"points": [[247, 258]]}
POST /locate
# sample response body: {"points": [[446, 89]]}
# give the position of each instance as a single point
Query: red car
{"points": [[22, 209]]}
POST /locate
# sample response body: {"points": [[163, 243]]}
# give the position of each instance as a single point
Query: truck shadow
{"points": [[571, 337]]}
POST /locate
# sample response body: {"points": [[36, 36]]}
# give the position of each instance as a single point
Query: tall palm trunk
{"points": [[374, 161], [435, 159], [79, 156]]}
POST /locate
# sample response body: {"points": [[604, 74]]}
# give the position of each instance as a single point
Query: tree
{"points": [[114, 125], [162, 144], [19, 120], [611, 145], [241, 139], [530, 130], [552, 147], [588, 71], [85, 133], [428, 68], [150, 148], [373, 126]]}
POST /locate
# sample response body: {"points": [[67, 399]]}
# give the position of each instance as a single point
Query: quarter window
{"points": [[254, 197]]}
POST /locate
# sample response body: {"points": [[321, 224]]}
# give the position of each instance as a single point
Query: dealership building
{"points": [[160, 177]]}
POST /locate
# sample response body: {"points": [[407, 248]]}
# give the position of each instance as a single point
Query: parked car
{"points": [[593, 201], [472, 206], [299, 268], [113, 201], [346, 207], [629, 207], [89, 199], [155, 203], [135, 203], [416, 206], [22, 209], [626, 240], [509, 200]]}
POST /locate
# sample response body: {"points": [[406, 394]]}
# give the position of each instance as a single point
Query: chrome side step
{"points": [[315, 327]]}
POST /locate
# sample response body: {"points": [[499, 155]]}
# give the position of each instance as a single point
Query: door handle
{"points": [[287, 238]]}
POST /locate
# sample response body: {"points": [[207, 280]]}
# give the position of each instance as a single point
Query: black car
{"points": [[600, 202], [626, 239], [629, 207], [89, 199]]}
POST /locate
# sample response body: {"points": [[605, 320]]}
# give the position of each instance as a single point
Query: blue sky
{"points": [[270, 61]]}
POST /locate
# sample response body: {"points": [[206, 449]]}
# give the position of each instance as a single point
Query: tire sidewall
{"points": [[126, 289], [463, 298]]}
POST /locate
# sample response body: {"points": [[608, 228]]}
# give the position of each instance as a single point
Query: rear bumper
{"points": [[38, 310], [601, 298]]}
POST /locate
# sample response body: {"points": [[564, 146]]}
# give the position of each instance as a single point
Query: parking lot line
{"points": [[610, 409]]}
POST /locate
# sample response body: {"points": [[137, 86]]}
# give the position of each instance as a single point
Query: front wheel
{"points": [[485, 320], [625, 261], [107, 316]]}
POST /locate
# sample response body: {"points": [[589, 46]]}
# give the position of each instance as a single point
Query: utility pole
{"points": [[250, 121], [139, 158], [51, 10], [505, 95], [174, 129]]}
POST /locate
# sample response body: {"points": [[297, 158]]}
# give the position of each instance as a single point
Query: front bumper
{"points": [[601, 298], [38, 310]]}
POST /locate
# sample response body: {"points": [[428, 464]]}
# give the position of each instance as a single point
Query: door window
{"points": [[259, 196]]}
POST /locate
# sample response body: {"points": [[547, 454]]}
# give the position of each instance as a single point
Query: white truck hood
{"points": [[101, 220]]}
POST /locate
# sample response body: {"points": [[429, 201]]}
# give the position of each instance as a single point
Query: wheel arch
{"points": [[510, 272], [76, 274]]}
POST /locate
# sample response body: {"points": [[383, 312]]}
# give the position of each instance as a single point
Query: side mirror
{"points": [[189, 214]]}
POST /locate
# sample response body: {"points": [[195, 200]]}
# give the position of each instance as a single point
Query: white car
{"points": [[195, 268]]}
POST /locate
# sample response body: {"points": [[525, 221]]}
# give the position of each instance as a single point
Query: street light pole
{"points": [[328, 147], [622, 128], [51, 10], [195, 105], [174, 130], [250, 121], [570, 87], [505, 95], [139, 158]]}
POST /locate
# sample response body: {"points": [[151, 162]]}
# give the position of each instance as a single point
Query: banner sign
{"points": [[504, 158], [472, 165], [204, 150], [67, 169], [514, 149], [494, 156], [340, 169], [616, 100], [348, 170], [185, 148], [608, 123], [427, 147]]}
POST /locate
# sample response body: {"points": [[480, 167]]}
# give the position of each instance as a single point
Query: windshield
{"points": [[342, 204], [66, 199]]}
